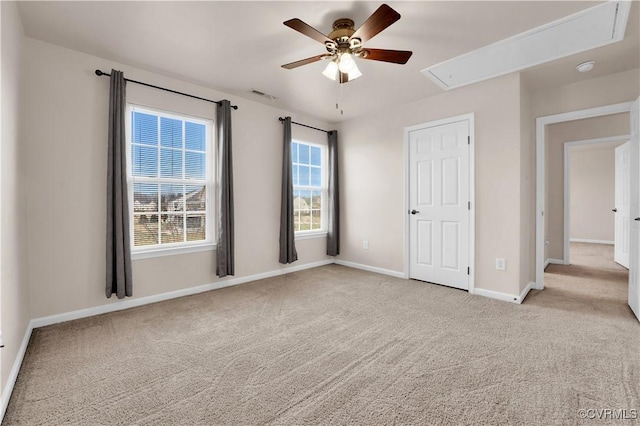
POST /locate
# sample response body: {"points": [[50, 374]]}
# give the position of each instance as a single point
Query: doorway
{"points": [[594, 205], [634, 234]]}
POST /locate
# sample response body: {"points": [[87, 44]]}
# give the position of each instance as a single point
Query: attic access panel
{"points": [[591, 28]]}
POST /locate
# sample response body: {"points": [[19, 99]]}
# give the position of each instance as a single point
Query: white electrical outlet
{"points": [[365, 244], [501, 264]]}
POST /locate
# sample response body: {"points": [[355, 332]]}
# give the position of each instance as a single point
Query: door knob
{"points": [[414, 211], [637, 218], [614, 210]]}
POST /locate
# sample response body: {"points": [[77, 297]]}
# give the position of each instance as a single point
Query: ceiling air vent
{"points": [[591, 28], [264, 95]]}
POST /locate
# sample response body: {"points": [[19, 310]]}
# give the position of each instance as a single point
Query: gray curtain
{"points": [[225, 264], [119, 275], [333, 231], [288, 253]]}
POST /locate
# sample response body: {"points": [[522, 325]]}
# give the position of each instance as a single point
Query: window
{"points": [[170, 180], [309, 186]]}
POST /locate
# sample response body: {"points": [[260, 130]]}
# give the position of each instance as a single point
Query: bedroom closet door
{"points": [[439, 181]]}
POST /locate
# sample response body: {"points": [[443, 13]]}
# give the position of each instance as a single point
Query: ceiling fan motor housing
{"points": [[343, 29]]}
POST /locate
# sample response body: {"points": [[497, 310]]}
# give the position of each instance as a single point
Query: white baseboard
{"points": [[582, 240], [13, 375], [131, 303], [497, 295], [370, 268], [526, 290], [553, 261]]}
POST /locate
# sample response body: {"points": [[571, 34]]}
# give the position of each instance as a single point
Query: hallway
{"points": [[593, 283]]}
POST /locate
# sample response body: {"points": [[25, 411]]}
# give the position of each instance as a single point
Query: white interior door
{"points": [[634, 246], [622, 207], [439, 204]]}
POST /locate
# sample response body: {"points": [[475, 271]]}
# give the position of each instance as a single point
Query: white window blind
{"points": [[170, 179], [309, 186]]}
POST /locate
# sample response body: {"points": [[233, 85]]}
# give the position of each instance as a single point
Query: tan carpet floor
{"points": [[334, 345]]}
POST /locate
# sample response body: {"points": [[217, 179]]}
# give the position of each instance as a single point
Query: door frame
{"points": [[541, 123], [470, 117], [566, 258]]}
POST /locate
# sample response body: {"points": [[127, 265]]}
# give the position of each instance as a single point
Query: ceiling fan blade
{"points": [[302, 62], [381, 19], [394, 56], [308, 30]]}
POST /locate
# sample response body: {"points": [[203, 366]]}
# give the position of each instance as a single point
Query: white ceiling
{"points": [[236, 46]]}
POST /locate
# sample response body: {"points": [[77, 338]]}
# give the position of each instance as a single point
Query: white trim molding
{"points": [[551, 261], [306, 235], [171, 251], [583, 240], [541, 123], [526, 291], [505, 297], [370, 268], [13, 375]]}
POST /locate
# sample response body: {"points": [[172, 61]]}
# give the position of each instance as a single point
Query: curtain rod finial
{"points": [[99, 73]]}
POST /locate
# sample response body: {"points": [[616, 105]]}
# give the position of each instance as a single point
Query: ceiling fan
{"points": [[344, 44]]}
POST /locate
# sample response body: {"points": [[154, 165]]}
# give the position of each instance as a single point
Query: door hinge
{"points": [[468, 140], [469, 205], [468, 270]]}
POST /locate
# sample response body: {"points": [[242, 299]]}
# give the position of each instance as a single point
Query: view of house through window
{"points": [[171, 179], [309, 187]]}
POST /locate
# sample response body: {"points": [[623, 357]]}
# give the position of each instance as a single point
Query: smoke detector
{"points": [[585, 66]]}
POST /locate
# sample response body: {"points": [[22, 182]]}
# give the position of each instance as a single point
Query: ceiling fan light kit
{"points": [[331, 71], [343, 64], [344, 44]]}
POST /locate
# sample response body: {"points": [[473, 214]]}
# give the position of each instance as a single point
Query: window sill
{"points": [[308, 235], [171, 251]]}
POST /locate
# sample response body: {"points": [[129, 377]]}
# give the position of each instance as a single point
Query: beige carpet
{"points": [[335, 345]]}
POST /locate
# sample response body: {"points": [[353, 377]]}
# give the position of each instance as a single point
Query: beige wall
{"points": [[66, 182], [592, 191], [607, 90], [14, 290], [373, 179], [557, 135]]}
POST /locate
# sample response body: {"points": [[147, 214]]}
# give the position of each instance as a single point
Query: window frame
{"points": [[169, 249], [324, 192]]}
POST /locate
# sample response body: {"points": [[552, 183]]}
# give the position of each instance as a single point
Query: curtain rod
{"points": [[100, 73], [304, 125]]}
